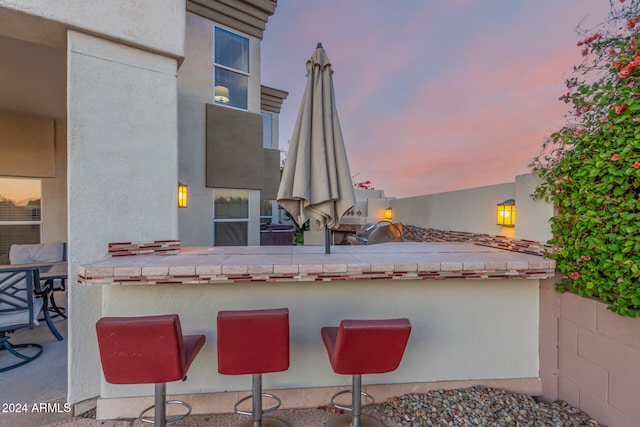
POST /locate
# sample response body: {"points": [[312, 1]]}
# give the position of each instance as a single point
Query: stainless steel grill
{"points": [[380, 232]]}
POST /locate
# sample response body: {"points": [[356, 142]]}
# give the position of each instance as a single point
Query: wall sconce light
{"points": [[222, 94], [506, 213], [388, 214], [182, 195]]}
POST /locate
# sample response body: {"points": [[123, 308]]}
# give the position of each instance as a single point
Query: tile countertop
{"points": [[406, 260]]}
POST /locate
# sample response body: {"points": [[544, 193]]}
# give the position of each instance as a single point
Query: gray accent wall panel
{"points": [[235, 156]]}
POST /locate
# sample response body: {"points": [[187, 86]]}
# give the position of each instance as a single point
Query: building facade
{"points": [[228, 125], [108, 106]]}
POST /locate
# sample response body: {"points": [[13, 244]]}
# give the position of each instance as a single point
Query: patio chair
{"points": [[43, 253], [360, 347], [254, 342], [19, 309], [148, 350]]}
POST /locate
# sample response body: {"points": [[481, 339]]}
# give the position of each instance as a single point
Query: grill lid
{"points": [[380, 232]]}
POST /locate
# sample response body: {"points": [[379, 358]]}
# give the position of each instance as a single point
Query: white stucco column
{"points": [[122, 173]]}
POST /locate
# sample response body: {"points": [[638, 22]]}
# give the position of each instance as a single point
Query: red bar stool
{"points": [[146, 350], [254, 342], [363, 347]]}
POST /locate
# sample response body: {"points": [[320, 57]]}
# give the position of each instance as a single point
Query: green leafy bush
{"points": [[590, 168]]}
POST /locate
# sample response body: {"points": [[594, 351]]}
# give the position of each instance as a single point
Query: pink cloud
{"points": [[441, 98]]}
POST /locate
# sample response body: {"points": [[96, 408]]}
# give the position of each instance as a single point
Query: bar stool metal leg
{"points": [[160, 410], [257, 400], [256, 407], [357, 402], [355, 418]]}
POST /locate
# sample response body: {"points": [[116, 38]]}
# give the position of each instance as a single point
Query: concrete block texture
{"points": [[625, 397], [614, 356], [585, 374], [603, 412], [569, 392], [579, 310], [624, 329], [598, 357]]}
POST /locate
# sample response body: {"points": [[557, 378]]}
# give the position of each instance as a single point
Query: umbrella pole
{"points": [[327, 240]]}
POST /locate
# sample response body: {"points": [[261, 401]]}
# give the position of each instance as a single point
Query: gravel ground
{"points": [[478, 406], [474, 406]]}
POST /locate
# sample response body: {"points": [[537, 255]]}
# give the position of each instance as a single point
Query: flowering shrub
{"points": [[362, 185], [590, 168]]}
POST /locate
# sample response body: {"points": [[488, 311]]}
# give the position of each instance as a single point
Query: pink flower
{"points": [[603, 119], [620, 280], [636, 165], [575, 275], [615, 157], [620, 108], [624, 73]]}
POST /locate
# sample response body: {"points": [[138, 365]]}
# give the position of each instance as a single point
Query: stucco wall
{"points": [[589, 357], [474, 329], [155, 25], [195, 90], [474, 210], [122, 172], [195, 79]]}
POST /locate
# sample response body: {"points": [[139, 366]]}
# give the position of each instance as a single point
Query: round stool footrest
{"points": [[264, 411], [169, 420], [349, 408]]}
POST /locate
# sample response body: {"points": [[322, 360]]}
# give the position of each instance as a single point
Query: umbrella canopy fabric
{"points": [[316, 181]]}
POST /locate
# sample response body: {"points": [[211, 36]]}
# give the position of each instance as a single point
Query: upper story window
{"points": [[231, 69]]}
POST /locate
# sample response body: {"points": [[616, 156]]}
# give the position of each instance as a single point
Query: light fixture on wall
{"points": [[222, 94], [182, 195], [388, 214], [506, 213]]}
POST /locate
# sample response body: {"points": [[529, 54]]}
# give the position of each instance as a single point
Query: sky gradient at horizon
{"points": [[433, 96]]}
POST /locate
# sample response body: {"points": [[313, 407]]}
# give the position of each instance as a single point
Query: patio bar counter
{"points": [[474, 311]]}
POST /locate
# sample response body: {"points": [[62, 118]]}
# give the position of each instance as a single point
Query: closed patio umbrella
{"points": [[316, 181]]}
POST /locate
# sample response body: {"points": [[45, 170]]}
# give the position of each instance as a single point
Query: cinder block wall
{"points": [[590, 357]]}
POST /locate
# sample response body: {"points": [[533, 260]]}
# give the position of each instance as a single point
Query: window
{"points": [[267, 130], [231, 69], [230, 217], [266, 211], [20, 214]]}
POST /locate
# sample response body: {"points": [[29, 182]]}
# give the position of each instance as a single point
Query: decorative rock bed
{"points": [[478, 406]]}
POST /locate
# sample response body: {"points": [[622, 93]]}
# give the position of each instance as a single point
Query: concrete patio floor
{"points": [[42, 381]]}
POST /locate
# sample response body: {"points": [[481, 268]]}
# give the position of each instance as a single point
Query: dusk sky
{"points": [[433, 96]]}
